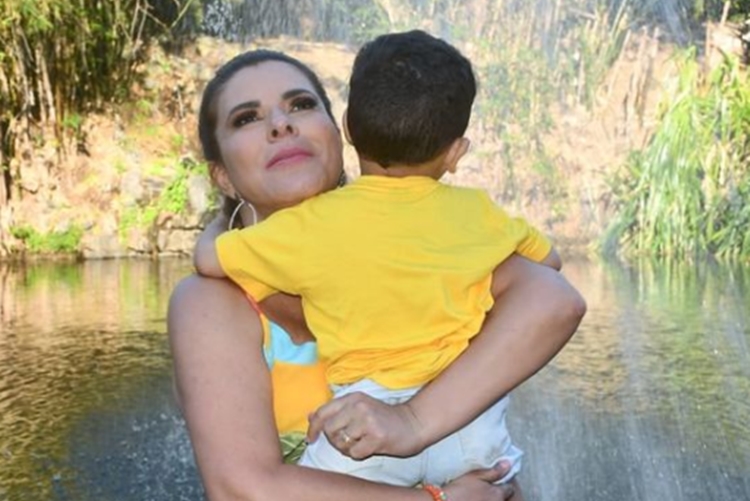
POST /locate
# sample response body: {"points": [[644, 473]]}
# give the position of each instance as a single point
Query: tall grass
{"points": [[687, 193]]}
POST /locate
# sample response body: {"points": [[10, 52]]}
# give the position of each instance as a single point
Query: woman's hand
{"points": [[478, 485], [360, 426]]}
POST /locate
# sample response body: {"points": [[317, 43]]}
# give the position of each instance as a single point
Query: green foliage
{"points": [[368, 21], [688, 191], [73, 121], [173, 199], [61, 59], [352, 21], [55, 242]]}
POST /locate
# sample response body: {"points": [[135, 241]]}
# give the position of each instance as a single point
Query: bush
{"points": [[55, 242]]}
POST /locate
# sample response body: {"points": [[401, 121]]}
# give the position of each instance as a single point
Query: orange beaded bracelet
{"points": [[436, 492]]}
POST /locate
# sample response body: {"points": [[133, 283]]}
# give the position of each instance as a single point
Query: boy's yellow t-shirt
{"points": [[394, 273]]}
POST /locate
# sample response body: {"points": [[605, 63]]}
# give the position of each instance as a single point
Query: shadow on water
{"points": [[649, 401]]}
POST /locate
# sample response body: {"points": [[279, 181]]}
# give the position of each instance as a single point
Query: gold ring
{"points": [[345, 437]]}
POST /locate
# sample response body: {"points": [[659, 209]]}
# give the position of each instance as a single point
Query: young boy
{"points": [[394, 269]]}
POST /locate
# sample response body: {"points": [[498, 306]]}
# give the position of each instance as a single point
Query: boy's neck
{"points": [[434, 169]]}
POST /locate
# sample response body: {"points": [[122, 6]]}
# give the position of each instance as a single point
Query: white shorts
{"points": [[480, 444]]}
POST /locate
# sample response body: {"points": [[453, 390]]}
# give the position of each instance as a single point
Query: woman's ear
{"points": [[345, 125], [457, 150], [220, 176]]}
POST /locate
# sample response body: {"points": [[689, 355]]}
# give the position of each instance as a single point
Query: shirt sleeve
{"points": [[529, 241], [532, 243], [260, 259]]}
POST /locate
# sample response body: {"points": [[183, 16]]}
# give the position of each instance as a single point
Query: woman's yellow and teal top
{"points": [[297, 378]]}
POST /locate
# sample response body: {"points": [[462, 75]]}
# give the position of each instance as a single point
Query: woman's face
{"points": [[278, 145]]}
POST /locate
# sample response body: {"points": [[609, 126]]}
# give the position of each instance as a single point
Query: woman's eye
{"points": [[245, 118], [303, 103]]}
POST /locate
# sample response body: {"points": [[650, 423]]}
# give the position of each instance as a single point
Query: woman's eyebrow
{"points": [[246, 105], [294, 93]]}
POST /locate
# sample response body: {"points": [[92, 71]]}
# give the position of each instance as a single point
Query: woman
{"points": [[260, 113]]}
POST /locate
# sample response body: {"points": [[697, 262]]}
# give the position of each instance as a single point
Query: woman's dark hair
{"points": [[207, 113]]}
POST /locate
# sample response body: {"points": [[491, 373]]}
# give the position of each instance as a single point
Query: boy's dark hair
{"points": [[410, 97]]}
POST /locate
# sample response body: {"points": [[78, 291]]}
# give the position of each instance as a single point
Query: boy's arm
{"points": [[533, 244], [205, 257], [535, 314]]}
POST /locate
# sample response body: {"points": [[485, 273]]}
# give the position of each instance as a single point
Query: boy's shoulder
{"points": [[345, 195], [468, 192]]}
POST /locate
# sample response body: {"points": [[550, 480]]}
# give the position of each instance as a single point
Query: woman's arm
{"points": [[224, 390], [536, 313], [553, 260]]}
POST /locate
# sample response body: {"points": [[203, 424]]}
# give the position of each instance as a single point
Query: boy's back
{"points": [[394, 272]]}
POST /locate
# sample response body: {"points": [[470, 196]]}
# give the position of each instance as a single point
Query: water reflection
{"points": [[85, 391], [650, 401]]}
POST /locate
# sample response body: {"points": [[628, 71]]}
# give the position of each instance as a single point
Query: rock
{"points": [[131, 188], [102, 246], [199, 194], [177, 241]]}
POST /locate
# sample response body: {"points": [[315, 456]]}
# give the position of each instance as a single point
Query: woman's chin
{"points": [[291, 198], [303, 188]]}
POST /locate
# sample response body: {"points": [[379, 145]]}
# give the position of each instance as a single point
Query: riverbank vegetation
{"points": [[687, 193], [683, 191]]}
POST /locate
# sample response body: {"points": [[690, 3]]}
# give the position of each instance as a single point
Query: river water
{"points": [[649, 401]]}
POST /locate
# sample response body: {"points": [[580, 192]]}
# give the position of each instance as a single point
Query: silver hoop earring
{"points": [[237, 211]]}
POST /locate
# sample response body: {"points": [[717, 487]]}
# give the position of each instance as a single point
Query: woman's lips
{"points": [[288, 156]]}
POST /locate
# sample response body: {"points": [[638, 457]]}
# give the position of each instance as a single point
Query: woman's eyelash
{"points": [[297, 104], [245, 118], [304, 103]]}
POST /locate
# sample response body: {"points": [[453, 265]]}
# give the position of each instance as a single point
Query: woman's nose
{"points": [[280, 124]]}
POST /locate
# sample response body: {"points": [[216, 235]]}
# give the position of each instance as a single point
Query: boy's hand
{"points": [[205, 259], [479, 484], [360, 426]]}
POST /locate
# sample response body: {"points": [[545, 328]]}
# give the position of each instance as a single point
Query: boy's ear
{"points": [[221, 177], [345, 125], [457, 150]]}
